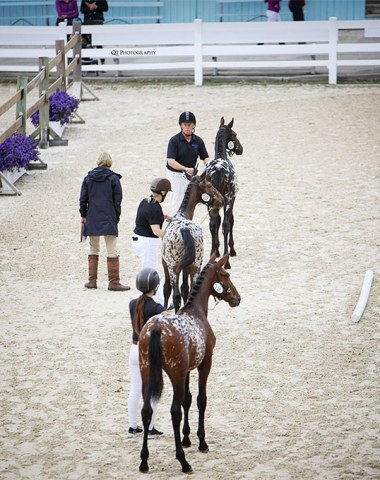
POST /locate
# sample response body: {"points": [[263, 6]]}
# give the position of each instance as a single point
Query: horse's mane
{"points": [[220, 143], [185, 201], [197, 284]]}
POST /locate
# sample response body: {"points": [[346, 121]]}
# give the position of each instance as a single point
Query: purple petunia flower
{"points": [[17, 151], [61, 108]]}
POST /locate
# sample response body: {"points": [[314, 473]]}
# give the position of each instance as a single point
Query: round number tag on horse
{"points": [[218, 287], [230, 145], [205, 197]]}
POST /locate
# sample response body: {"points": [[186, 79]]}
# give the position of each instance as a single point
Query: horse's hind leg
{"points": [[204, 370], [186, 407], [226, 232], [176, 412], [167, 284], [214, 230], [176, 293], [185, 288], [231, 242]]}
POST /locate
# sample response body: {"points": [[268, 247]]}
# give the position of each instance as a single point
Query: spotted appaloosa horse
{"points": [[177, 344], [182, 243], [221, 174]]}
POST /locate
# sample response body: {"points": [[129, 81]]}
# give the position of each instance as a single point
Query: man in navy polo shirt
{"points": [[183, 152]]}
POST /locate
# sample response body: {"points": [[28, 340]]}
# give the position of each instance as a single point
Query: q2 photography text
{"points": [[131, 52]]}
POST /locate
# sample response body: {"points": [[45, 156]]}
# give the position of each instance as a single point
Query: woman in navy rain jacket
{"points": [[100, 209]]}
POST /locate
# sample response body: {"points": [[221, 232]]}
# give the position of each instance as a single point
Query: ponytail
{"points": [[138, 318]]}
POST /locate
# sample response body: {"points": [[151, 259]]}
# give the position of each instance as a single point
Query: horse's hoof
{"points": [[203, 450], [187, 469], [143, 467], [186, 443], [232, 253]]}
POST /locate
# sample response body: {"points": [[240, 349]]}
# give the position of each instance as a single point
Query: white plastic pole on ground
{"points": [[364, 294]]}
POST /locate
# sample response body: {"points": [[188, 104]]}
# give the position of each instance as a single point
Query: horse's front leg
{"points": [[146, 414], [214, 230], [176, 412], [204, 370], [186, 407]]}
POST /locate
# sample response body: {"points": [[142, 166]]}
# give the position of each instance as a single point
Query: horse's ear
{"points": [[213, 258], [202, 176], [223, 261], [222, 121], [230, 125]]}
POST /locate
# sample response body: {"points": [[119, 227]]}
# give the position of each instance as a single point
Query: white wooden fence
{"points": [[199, 48]]}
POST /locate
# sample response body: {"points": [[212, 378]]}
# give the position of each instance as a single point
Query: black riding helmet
{"points": [[187, 117], [147, 279], [161, 185]]}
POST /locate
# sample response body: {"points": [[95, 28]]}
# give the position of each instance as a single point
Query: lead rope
{"points": [[217, 301]]}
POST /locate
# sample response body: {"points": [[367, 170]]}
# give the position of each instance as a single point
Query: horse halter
{"points": [[219, 288], [208, 200], [230, 148]]}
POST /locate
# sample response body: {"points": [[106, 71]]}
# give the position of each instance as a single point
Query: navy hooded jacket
{"points": [[100, 202]]}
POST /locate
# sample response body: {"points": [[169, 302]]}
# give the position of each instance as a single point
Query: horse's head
{"points": [[209, 195], [233, 143], [223, 288], [229, 137]]}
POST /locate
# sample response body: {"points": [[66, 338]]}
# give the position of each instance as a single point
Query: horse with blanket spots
{"points": [[221, 173], [177, 344], [182, 243]]}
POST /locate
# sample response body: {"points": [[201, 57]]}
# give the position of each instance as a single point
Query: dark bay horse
{"points": [[221, 174], [177, 344], [182, 243]]}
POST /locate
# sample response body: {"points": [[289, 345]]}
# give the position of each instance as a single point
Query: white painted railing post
{"points": [[333, 50], [198, 57]]}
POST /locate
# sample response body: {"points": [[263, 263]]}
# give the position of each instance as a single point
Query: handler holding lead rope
{"points": [[182, 155]]}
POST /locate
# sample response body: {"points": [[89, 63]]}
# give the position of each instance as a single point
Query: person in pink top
{"points": [[66, 10], [273, 10]]}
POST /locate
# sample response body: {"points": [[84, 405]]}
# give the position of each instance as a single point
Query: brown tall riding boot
{"points": [[93, 261], [113, 275]]}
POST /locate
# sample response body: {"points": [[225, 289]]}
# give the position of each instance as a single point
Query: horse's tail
{"points": [[189, 243], [156, 382]]}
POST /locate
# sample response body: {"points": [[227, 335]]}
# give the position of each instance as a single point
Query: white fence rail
{"points": [[200, 47]]}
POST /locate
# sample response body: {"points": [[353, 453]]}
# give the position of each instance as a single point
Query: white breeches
{"points": [[135, 394], [179, 185], [148, 250]]}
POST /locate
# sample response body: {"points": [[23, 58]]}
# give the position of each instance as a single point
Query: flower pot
{"points": [[12, 176], [57, 128]]}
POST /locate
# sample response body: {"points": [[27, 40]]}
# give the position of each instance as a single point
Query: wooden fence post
{"points": [[61, 67], [44, 109], [77, 72], [22, 84]]}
